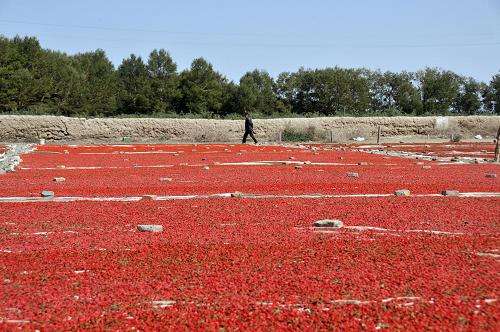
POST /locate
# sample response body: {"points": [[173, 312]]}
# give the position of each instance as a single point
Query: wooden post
{"points": [[497, 147], [331, 136], [378, 134], [279, 136]]}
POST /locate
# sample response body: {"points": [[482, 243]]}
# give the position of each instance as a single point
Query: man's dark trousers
{"points": [[247, 132]]}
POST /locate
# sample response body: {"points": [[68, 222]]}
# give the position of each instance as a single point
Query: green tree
{"points": [[256, 93], [439, 90], [17, 83], [202, 90], [134, 86], [99, 87], [286, 92], [164, 81], [394, 92], [469, 99], [333, 91], [491, 95]]}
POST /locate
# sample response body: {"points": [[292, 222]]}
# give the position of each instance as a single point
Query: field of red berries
{"points": [[250, 260]]}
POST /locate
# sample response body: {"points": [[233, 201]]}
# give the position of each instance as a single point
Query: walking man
{"points": [[248, 128]]}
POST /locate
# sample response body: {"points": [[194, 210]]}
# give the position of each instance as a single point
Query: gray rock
{"points": [[150, 228], [402, 192], [491, 175], [148, 197], [353, 175], [47, 193], [332, 223], [59, 179], [237, 194], [450, 193]]}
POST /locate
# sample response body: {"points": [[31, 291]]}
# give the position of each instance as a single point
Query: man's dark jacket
{"points": [[248, 124]]}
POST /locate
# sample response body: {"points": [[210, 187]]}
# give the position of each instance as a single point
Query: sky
{"points": [[237, 36]]}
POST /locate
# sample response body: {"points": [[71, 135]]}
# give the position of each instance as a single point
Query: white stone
{"points": [[150, 228], [47, 193], [402, 192], [163, 303]]}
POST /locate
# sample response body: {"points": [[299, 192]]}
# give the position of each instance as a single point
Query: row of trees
{"points": [[38, 81]]}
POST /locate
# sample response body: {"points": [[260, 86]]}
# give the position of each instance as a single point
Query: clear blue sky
{"points": [[275, 35]]}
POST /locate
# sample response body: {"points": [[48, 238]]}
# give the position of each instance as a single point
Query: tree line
{"points": [[34, 80]]}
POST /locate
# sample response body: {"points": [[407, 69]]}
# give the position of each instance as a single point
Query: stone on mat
{"points": [[47, 193], [491, 175], [332, 223], [353, 175], [402, 192], [59, 179], [150, 228], [237, 194], [450, 193], [148, 197]]}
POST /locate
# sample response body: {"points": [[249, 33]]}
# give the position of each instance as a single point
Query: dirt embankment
{"points": [[33, 128]]}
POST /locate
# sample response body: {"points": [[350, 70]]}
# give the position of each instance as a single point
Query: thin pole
{"points": [[497, 147], [378, 134]]}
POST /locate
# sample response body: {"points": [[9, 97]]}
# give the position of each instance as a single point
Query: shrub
{"points": [[455, 138], [311, 133]]}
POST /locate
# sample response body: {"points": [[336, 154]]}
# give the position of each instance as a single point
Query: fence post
{"points": [[378, 134], [331, 136], [497, 147], [279, 136]]}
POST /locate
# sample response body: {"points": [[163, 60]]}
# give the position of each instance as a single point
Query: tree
{"points": [[164, 81], [286, 91], [394, 92], [491, 95], [468, 101], [134, 85], [256, 93], [439, 90], [202, 89], [100, 84], [16, 79]]}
